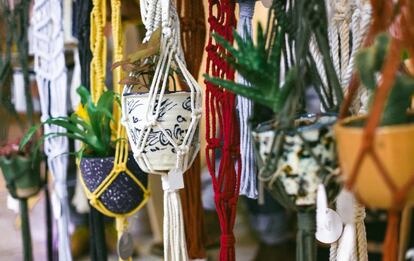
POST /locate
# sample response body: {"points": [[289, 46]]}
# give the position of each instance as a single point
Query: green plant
{"points": [[91, 124], [369, 64], [288, 34]]}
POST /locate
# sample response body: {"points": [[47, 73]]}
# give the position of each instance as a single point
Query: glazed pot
{"points": [[123, 195], [22, 175], [159, 155], [307, 159], [394, 146]]}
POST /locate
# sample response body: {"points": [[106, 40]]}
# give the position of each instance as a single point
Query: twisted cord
{"points": [[361, 237], [248, 184]]}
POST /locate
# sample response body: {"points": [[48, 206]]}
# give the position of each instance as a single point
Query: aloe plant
{"points": [[289, 32], [369, 64], [91, 124]]}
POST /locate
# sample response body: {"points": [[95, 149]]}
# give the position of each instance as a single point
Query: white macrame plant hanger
{"points": [[347, 19], [50, 68], [156, 13]]}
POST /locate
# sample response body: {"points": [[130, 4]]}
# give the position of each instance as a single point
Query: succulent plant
{"points": [[369, 64], [289, 33], [91, 124]]}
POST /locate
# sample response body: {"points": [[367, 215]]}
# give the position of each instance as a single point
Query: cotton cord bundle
{"points": [[222, 132], [48, 46], [248, 182], [348, 19], [155, 14]]}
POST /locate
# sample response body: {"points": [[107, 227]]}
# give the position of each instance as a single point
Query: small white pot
{"points": [[151, 143]]}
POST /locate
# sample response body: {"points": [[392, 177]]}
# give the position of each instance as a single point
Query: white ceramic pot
{"points": [[151, 143]]}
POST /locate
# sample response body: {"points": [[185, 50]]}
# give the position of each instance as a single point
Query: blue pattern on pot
{"points": [[174, 117], [123, 195], [302, 165]]}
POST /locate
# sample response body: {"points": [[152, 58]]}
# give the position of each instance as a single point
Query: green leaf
{"points": [[399, 101], [28, 136], [84, 94]]}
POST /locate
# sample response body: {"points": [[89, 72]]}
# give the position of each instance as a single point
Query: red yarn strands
{"points": [[222, 131]]}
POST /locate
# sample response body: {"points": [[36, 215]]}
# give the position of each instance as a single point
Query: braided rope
{"points": [[50, 67], [98, 47]]}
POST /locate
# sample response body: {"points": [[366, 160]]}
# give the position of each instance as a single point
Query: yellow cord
{"points": [[98, 67]]}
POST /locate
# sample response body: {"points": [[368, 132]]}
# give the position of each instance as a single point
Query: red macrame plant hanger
{"points": [[222, 131]]}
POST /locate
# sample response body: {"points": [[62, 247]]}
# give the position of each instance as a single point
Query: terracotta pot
{"points": [[394, 146], [22, 175], [296, 174], [175, 117], [123, 195]]}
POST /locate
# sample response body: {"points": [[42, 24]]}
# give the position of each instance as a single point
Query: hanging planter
{"points": [[124, 194], [383, 146], [158, 154], [22, 175], [295, 154], [387, 162], [308, 158], [162, 123], [393, 146], [111, 192]]}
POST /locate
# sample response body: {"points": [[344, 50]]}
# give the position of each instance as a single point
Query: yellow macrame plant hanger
{"points": [[98, 67]]}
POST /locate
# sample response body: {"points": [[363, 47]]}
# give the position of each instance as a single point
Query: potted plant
{"points": [[161, 106], [92, 124], [295, 150], [20, 168], [392, 146]]}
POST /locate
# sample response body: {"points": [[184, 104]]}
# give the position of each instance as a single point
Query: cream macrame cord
{"points": [[152, 119]]}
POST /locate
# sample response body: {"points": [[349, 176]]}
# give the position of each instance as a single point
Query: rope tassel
{"points": [[175, 248], [248, 186]]}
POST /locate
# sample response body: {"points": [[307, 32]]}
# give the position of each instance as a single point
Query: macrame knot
{"points": [[183, 150], [341, 13], [138, 154], [246, 8], [227, 240], [166, 31], [213, 143], [93, 200], [359, 214], [151, 123], [196, 113], [119, 168]]}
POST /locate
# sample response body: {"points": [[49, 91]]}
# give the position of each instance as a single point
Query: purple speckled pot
{"points": [[123, 195]]}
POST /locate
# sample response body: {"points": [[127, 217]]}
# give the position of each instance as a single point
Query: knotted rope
{"points": [[222, 132], [98, 67], [151, 120], [51, 79]]}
